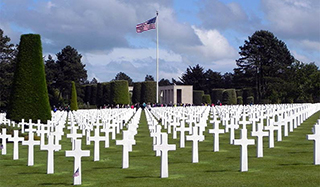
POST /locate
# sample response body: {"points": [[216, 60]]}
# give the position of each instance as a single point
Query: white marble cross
{"points": [[164, 147], [126, 142], [4, 137], [216, 131], [195, 138], [156, 134], [182, 130], [233, 125], [244, 142], [50, 147], [244, 122], [31, 143], [77, 153], [259, 134], [73, 135], [16, 139], [316, 138], [96, 139], [106, 129], [41, 131], [271, 128]]}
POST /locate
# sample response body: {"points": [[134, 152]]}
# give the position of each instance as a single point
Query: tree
{"points": [[74, 102], [8, 54], [194, 76], [123, 76], [164, 82], [94, 81], [29, 95], [70, 68], [213, 80], [264, 64], [149, 78]]}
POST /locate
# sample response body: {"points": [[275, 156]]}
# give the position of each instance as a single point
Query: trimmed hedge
{"points": [[120, 92], [250, 100], [74, 102], [99, 100], [239, 100], [106, 96], [29, 94], [93, 98], [136, 93], [216, 95], [206, 99], [148, 92], [229, 97], [197, 97], [87, 94], [247, 92]]}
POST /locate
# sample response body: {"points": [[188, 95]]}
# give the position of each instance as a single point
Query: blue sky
{"points": [[205, 32]]}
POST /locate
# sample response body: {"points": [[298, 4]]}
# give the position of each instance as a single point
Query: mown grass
{"points": [[290, 163]]}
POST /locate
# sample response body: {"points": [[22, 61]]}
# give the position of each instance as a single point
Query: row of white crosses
{"points": [[77, 152], [53, 130], [232, 119]]}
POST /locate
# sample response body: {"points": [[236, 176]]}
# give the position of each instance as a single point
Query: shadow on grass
{"points": [[142, 177], [32, 173], [55, 184], [217, 171], [110, 167], [295, 164]]}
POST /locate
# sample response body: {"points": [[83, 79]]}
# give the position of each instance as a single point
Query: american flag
{"points": [[147, 25], [1, 146], [76, 174]]}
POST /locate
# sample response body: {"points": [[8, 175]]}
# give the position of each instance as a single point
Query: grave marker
{"points": [[30, 143], [50, 147], [164, 147], [4, 137], [316, 138], [16, 139], [126, 143], [195, 138], [77, 153], [244, 142]]}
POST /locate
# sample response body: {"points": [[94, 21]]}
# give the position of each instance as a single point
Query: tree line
{"points": [[265, 67]]}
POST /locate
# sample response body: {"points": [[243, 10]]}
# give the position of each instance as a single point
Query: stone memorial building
{"points": [[176, 94]]}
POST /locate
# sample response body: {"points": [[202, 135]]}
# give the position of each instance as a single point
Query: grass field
{"points": [[290, 163]]}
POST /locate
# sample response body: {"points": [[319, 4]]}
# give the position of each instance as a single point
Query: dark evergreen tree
{"points": [[194, 76], [70, 68], [164, 82], [29, 96], [149, 78], [7, 66], [264, 65], [123, 76]]}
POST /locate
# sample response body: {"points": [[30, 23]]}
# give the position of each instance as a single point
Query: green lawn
{"points": [[290, 163]]}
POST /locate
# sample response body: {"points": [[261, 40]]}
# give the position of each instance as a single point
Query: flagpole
{"points": [[157, 57]]}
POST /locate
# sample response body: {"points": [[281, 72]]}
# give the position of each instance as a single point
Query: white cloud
{"points": [[311, 45], [294, 18], [214, 45]]}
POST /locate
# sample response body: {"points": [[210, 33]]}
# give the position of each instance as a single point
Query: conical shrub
{"points": [[29, 94], [74, 102]]}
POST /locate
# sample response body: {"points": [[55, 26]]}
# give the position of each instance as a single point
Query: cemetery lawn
{"points": [[289, 163]]}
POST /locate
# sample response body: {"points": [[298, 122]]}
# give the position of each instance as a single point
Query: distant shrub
{"points": [[239, 100], [229, 97], [197, 97], [136, 93], [120, 92], [148, 92], [216, 95], [206, 99]]}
